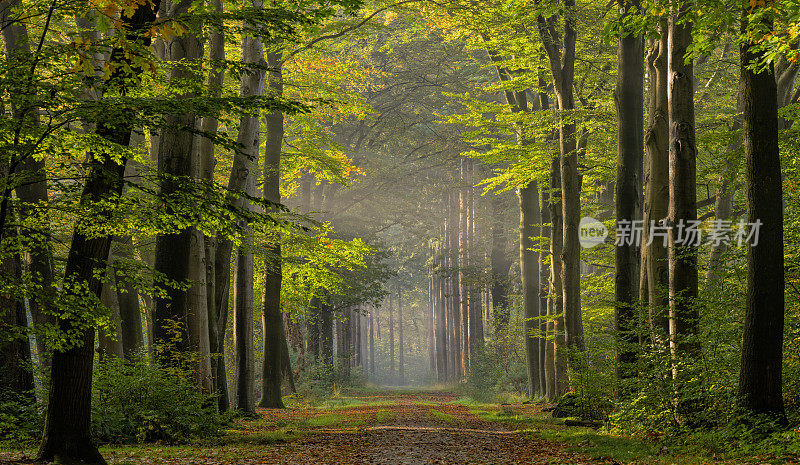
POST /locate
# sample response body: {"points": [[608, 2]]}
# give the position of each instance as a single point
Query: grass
{"points": [[470, 402], [324, 420], [446, 417], [385, 416], [598, 444]]}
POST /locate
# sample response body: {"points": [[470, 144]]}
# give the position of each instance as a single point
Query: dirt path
{"points": [[417, 429], [388, 428]]}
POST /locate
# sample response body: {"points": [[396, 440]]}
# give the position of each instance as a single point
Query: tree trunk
{"points": [[760, 377], [243, 326], [548, 325], [723, 204], [358, 346], [555, 300], [34, 190], [500, 265], [529, 218], [16, 375], [656, 206], [313, 328], [629, 99], [440, 331], [343, 355], [272, 320], [242, 174], [286, 361], [110, 344], [400, 342], [431, 320], [130, 313], [562, 67], [456, 341], [326, 334], [210, 124], [173, 319], [67, 430], [391, 341], [476, 311], [683, 314], [465, 330], [197, 315], [371, 344]]}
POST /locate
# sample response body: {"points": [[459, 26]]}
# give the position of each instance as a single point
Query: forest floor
{"points": [[400, 427]]}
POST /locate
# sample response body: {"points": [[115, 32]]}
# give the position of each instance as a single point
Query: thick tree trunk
{"points": [[629, 98], [683, 314], [16, 375], [174, 321], [465, 330], [529, 218], [287, 375], [34, 188], [570, 255], [243, 327], [272, 320], [197, 315], [656, 204], [545, 309], [760, 377], [210, 124], [67, 430], [555, 300], [130, 312], [562, 67], [242, 180]]}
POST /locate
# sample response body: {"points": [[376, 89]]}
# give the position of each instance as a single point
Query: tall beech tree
{"points": [[529, 218], [31, 183], [656, 202], [561, 57], [177, 315], [760, 378], [67, 435], [272, 321], [243, 182], [629, 98], [683, 313]]}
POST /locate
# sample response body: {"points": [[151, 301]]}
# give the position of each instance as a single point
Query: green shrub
{"points": [[493, 372], [318, 381], [21, 418], [135, 401]]}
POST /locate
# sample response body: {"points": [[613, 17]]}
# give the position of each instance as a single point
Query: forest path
{"points": [[391, 427]]}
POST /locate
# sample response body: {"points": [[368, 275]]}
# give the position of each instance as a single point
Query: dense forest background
{"points": [[209, 207]]}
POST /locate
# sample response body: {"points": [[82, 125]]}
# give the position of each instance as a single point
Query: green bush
{"points": [[319, 380], [21, 418], [493, 371], [136, 401]]}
